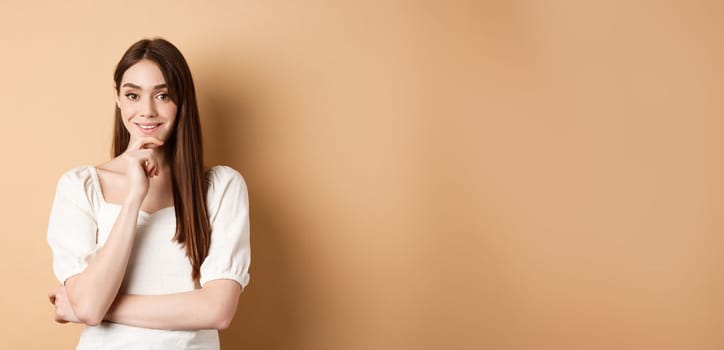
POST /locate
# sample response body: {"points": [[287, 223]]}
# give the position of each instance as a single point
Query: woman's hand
{"points": [[141, 159], [63, 310]]}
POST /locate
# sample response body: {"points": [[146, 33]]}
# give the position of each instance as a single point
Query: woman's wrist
{"points": [[133, 202]]}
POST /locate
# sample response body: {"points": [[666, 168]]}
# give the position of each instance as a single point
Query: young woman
{"points": [[151, 249]]}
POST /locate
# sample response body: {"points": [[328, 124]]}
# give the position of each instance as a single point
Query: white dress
{"points": [[79, 225]]}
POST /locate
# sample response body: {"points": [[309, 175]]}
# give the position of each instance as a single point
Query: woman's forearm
{"points": [[211, 307], [92, 292]]}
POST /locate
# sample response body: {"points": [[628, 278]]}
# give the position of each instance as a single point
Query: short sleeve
{"points": [[72, 226], [228, 205]]}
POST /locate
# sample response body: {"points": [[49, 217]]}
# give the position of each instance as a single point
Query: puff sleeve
{"points": [[72, 225], [228, 205]]}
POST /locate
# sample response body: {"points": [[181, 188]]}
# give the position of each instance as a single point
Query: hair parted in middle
{"points": [[183, 148]]}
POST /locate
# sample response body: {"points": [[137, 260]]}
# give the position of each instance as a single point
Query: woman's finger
{"points": [[148, 139], [145, 158], [59, 318], [147, 142], [151, 168], [150, 165], [51, 296]]}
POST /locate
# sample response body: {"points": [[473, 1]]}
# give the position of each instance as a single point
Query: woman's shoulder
{"points": [[223, 173], [79, 175], [78, 184], [222, 177]]}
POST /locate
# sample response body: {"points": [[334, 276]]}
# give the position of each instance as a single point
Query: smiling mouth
{"points": [[148, 127]]}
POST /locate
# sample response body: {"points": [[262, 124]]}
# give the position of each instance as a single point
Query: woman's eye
{"points": [[131, 96], [162, 96]]}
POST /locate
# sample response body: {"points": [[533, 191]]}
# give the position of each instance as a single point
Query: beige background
{"points": [[423, 175]]}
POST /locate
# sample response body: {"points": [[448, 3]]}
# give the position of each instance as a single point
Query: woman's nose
{"points": [[148, 109]]}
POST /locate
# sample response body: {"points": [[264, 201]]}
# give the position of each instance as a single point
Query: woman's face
{"points": [[146, 107]]}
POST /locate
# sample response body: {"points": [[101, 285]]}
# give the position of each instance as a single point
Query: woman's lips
{"points": [[149, 128]]}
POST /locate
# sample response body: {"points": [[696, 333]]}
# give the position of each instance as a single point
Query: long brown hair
{"points": [[183, 148]]}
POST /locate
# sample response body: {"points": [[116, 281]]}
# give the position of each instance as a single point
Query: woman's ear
{"points": [[116, 96]]}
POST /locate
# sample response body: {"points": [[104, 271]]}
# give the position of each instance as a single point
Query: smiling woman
{"points": [[151, 248], [144, 103]]}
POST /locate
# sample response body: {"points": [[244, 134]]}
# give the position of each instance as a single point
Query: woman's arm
{"points": [[92, 292], [224, 273], [211, 307]]}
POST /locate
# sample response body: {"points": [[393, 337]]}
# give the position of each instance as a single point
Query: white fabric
{"points": [[79, 225]]}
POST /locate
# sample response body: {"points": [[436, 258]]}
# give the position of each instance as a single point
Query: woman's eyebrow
{"points": [[134, 86]]}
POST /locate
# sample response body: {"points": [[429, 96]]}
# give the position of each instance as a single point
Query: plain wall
{"points": [[422, 175]]}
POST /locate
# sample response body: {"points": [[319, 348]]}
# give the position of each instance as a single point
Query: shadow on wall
{"points": [[265, 318]]}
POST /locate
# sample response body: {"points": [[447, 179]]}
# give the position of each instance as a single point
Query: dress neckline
{"points": [[96, 179]]}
